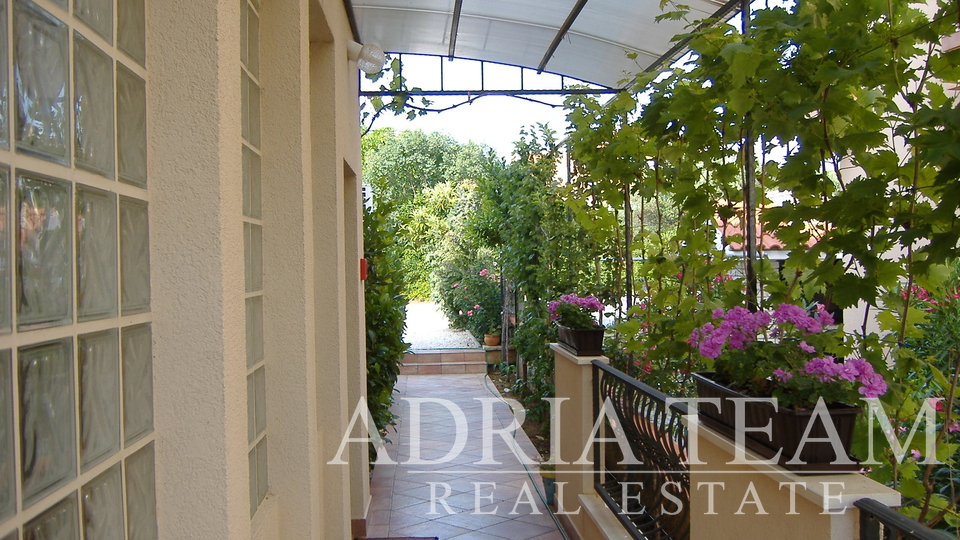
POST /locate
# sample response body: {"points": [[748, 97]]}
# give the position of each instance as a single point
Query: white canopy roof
{"points": [[584, 39]]}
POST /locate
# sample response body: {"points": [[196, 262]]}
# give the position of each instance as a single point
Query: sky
{"points": [[492, 120]]}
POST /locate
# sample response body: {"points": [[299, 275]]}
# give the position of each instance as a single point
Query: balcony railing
{"points": [[651, 499], [879, 522]]}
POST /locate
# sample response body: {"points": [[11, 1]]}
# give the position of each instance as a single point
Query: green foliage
{"points": [[429, 180], [386, 309], [844, 103]]}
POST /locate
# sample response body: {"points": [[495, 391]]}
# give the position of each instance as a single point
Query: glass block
{"points": [[131, 127], [96, 254], [8, 479], [98, 361], [261, 470], [254, 330], [102, 501], [93, 107], [40, 74], [134, 256], [48, 452], [251, 183], [6, 252], [244, 11], [97, 14], [260, 384], [137, 382], [257, 464], [4, 84], [61, 3], [251, 409], [58, 523], [252, 469], [141, 496], [253, 42], [250, 110], [253, 256], [44, 290], [131, 26]]}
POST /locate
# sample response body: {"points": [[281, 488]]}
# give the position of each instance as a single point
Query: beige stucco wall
{"points": [[312, 294]]}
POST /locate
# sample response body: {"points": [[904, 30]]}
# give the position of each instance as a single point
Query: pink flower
{"points": [[477, 306], [484, 272], [807, 347], [873, 386], [939, 406], [455, 285], [916, 455], [953, 427], [781, 375], [470, 313]]}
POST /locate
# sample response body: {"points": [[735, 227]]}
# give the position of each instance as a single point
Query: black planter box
{"points": [[787, 428], [582, 342]]}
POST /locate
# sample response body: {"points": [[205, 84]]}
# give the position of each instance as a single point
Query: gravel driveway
{"points": [[428, 328]]}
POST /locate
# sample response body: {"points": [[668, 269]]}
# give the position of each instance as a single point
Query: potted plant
{"points": [[577, 319], [548, 473], [795, 357]]}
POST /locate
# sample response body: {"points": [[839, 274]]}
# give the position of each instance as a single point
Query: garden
{"points": [[829, 126]]}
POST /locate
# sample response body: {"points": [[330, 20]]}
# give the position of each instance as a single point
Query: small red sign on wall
{"points": [[363, 269]]}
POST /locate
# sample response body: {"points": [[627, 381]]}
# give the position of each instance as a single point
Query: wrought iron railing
{"points": [[651, 499], [879, 522]]}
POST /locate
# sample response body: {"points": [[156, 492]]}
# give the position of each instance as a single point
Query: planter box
{"points": [[582, 342], [787, 428]]}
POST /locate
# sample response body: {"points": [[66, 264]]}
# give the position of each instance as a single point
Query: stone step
{"points": [[444, 368], [444, 356]]}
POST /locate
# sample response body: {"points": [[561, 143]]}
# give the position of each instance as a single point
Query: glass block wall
{"points": [[253, 250], [76, 374]]}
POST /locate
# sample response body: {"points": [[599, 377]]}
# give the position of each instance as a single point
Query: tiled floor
{"points": [[485, 501]]}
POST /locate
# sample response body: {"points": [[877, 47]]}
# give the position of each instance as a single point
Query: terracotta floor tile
{"points": [[402, 493]]}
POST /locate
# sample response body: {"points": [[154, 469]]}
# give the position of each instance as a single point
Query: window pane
{"points": [[141, 496], [260, 383], [98, 358], [98, 14], [251, 183], [137, 382], [44, 290], [4, 84], [261, 470], [40, 75], [8, 480], [131, 127], [93, 107], [251, 409], [253, 42], [134, 256], [96, 254], [102, 501], [6, 257], [250, 110], [253, 256], [47, 428], [130, 29], [252, 469], [57, 523], [254, 330]]}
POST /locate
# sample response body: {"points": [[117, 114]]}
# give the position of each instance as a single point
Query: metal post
{"points": [[749, 188]]}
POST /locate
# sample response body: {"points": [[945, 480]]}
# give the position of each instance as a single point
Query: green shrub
{"points": [[386, 311]]}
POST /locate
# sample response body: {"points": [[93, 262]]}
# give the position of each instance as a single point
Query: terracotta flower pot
{"points": [[491, 340], [787, 428]]}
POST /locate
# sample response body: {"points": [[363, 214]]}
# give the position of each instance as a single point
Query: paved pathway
{"points": [[428, 328], [475, 508]]}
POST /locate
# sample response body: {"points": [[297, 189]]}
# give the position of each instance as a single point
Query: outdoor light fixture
{"points": [[369, 58]]}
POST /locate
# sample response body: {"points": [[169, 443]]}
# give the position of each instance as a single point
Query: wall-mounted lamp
{"points": [[369, 58]]}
